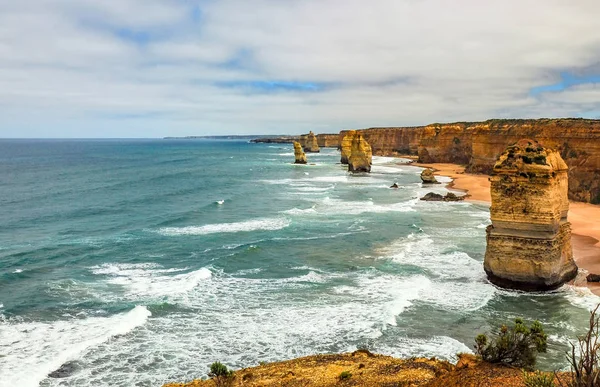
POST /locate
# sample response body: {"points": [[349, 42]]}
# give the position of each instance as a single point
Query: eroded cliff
{"points": [[529, 240], [478, 144]]}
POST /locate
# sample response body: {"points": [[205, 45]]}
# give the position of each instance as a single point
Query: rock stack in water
{"points": [[361, 154], [529, 240], [299, 154], [346, 146], [427, 177], [311, 144]]}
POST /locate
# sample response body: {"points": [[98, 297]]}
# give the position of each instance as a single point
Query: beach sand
{"points": [[584, 217]]}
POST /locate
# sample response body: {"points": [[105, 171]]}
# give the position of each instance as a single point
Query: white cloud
{"points": [[67, 72]]}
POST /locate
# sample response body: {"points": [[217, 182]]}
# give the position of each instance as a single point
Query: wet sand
{"points": [[584, 217]]}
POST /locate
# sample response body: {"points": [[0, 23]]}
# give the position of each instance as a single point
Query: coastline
{"points": [[582, 216]]}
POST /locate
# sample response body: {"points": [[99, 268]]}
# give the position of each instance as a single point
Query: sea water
{"points": [[138, 262]]}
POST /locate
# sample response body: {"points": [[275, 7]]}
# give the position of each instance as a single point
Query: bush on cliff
{"points": [[516, 346], [538, 379], [221, 375]]}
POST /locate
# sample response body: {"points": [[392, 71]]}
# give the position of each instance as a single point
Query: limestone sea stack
{"points": [[529, 240], [361, 155], [311, 144], [299, 153], [346, 146], [427, 177]]}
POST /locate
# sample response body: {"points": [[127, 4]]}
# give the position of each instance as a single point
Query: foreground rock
{"points": [[311, 143], [360, 155], [346, 145], [434, 197], [529, 240], [299, 154], [427, 177], [371, 370]]}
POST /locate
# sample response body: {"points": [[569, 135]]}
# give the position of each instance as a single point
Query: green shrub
{"points": [[538, 379], [345, 375], [221, 375], [517, 346]]}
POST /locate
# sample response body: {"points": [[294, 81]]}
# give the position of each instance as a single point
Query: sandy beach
{"points": [[584, 217]]}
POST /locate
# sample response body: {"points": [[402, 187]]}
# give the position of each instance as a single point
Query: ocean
{"points": [[139, 262]]}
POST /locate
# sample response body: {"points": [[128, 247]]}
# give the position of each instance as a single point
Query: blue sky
{"points": [[154, 68]]}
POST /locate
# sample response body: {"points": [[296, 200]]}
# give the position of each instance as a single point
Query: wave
{"points": [[246, 226], [150, 280], [383, 160], [458, 281], [299, 211], [34, 349]]}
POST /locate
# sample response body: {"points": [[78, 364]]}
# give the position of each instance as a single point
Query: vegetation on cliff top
{"points": [[502, 356]]}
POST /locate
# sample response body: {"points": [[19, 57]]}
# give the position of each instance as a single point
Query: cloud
{"points": [[151, 68]]}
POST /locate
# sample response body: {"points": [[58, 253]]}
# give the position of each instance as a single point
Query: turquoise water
{"points": [[140, 262]]}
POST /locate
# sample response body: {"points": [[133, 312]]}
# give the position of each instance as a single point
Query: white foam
{"points": [[246, 226], [149, 280], [383, 160], [386, 170], [337, 206], [286, 154], [459, 281], [33, 349], [581, 296], [299, 211], [439, 346], [17, 271]]}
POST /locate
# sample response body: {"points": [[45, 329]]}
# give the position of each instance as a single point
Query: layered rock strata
{"points": [[529, 240], [361, 155], [427, 177], [299, 153], [310, 143]]}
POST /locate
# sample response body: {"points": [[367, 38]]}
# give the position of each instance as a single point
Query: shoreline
{"points": [[585, 228]]}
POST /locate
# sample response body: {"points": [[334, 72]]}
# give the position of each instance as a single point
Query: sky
{"points": [[154, 68]]}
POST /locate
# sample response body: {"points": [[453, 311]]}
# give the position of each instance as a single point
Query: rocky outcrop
{"points": [[299, 154], [427, 177], [529, 240], [360, 158], [346, 145], [310, 143], [450, 197]]}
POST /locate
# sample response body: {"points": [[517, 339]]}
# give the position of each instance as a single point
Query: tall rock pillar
{"points": [[529, 240], [299, 154], [361, 154], [346, 146], [311, 144]]}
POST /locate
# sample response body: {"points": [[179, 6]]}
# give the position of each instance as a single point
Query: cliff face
{"points": [[299, 154], [478, 144], [328, 140], [360, 155], [577, 140], [529, 241]]}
